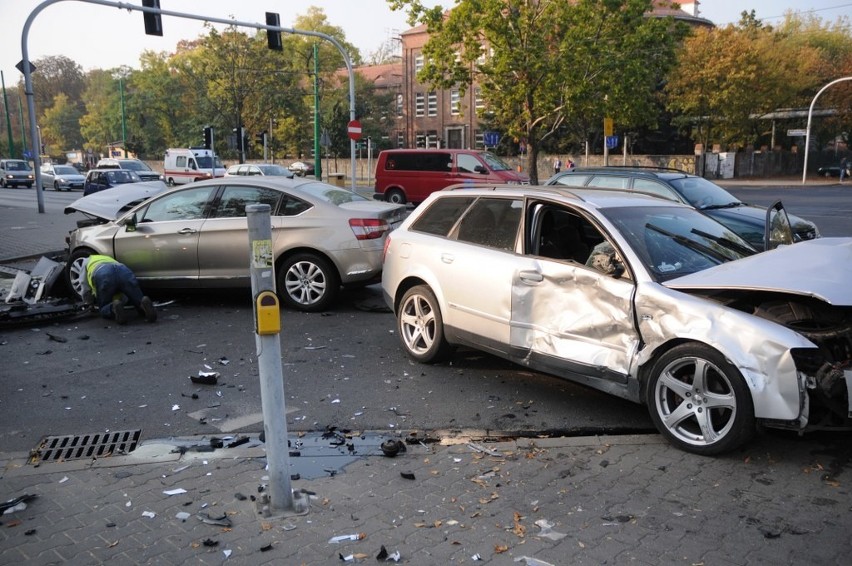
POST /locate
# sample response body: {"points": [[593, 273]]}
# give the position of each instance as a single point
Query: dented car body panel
{"points": [[640, 291]]}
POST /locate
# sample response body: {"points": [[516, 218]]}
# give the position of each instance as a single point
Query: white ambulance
{"points": [[187, 165]]}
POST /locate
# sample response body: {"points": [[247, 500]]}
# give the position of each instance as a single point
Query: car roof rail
{"points": [[641, 168], [557, 189]]}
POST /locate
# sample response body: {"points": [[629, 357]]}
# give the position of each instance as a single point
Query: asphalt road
{"points": [[341, 369]]}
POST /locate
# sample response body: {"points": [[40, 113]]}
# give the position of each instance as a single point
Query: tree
{"points": [[100, 126], [548, 63], [55, 75], [60, 126]]}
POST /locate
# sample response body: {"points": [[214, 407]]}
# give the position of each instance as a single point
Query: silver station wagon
{"points": [[646, 299]]}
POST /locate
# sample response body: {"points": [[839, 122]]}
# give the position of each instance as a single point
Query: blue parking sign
{"points": [[491, 138], [611, 142]]}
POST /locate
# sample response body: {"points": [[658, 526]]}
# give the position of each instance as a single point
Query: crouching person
{"points": [[111, 284]]}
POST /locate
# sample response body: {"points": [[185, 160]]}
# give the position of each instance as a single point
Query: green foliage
{"points": [[60, 126], [549, 66]]}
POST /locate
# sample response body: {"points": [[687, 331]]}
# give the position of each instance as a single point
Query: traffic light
{"points": [[153, 22], [261, 138], [208, 137], [273, 38], [240, 139]]}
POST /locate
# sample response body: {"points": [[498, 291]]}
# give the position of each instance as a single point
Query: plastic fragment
{"points": [[13, 504], [241, 440], [384, 556], [149, 514], [343, 538], [175, 407], [407, 475], [476, 557], [176, 491], [547, 530], [266, 548], [182, 516], [223, 521], [227, 553], [205, 378], [210, 542], [530, 561]]}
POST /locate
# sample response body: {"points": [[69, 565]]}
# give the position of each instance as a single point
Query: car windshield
{"points": [[206, 162], [64, 170], [703, 194], [17, 166], [672, 242], [135, 165], [494, 162], [120, 177], [331, 194], [274, 170]]}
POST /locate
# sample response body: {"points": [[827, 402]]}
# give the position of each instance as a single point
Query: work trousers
{"points": [[111, 279]]}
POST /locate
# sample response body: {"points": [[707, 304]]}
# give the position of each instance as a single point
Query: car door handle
{"points": [[448, 258], [531, 277], [186, 231]]}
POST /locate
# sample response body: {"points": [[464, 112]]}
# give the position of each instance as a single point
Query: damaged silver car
{"points": [[641, 298]]}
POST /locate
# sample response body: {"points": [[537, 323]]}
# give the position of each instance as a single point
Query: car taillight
{"points": [[368, 228], [385, 248]]}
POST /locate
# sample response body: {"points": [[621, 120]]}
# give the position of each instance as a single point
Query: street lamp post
{"points": [[123, 117], [808, 130]]}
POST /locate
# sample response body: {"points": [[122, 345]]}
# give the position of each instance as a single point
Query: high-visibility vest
{"points": [[94, 262]]}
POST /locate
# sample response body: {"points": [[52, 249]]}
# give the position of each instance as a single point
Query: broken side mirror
{"points": [[777, 231], [130, 223]]}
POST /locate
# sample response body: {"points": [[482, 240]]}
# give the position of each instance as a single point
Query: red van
{"points": [[411, 175]]}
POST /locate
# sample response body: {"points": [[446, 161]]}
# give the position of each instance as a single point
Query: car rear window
{"points": [[441, 215], [331, 194]]}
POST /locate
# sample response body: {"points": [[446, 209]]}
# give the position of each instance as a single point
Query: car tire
{"points": [[56, 185], [308, 282], [171, 182], [74, 273], [699, 401], [395, 196], [3, 183], [421, 326]]}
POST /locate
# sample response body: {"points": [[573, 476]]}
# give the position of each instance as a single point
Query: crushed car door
{"points": [[572, 299]]}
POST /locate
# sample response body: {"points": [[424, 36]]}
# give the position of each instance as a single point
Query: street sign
{"points": [[608, 127], [325, 140], [20, 66], [612, 142], [797, 132], [491, 138], [353, 130]]}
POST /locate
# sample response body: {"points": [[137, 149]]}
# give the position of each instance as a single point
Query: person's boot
{"points": [[149, 310], [118, 312]]}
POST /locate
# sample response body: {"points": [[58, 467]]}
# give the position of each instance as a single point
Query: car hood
{"points": [[755, 215], [820, 268], [112, 203]]}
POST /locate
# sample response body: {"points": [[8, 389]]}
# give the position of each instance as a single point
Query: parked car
{"points": [[61, 177], [301, 168], [197, 236], [831, 171], [746, 220], [102, 179], [259, 169], [138, 166], [410, 175], [15, 172], [640, 297]]}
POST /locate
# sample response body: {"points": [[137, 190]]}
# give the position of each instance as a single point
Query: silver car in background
{"points": [[643, 298], [197, 236], [61, 177]]}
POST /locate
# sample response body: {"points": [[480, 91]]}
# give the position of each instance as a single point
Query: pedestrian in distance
{"points": [[557, 165], [844, 166], [108, 285], [570, 164]]}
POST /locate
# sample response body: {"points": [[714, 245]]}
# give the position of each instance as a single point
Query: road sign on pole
{"points": [[353, 130], [612, 142]]}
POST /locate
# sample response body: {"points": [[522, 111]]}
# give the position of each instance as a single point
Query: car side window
{"points": [[180, 161], [654, 188], [442, 215], [492, 222], [189, 204], [572, 180], [292, 206], [467, 163], [233, 201], [609, 182]]}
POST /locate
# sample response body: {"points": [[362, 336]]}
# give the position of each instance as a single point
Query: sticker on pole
{"points": [[353, 130], [261, 254]]}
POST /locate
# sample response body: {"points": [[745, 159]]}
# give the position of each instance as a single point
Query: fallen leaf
{"points": [[500, 548]]}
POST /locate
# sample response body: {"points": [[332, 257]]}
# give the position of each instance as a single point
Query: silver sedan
{"points": [[61, 177], [323, 237]]}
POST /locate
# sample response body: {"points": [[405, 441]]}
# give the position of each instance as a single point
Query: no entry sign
{"points": [[353, 130]]}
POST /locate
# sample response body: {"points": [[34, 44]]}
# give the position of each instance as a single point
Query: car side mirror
{"points": [[130, 224], [481, 169], [778, 231]]}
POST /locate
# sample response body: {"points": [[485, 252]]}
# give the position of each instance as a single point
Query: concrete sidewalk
{"points": [[25, 232], [616, 500]]}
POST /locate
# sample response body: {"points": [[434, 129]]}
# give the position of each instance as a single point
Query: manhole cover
{"points": [[84, 446]]}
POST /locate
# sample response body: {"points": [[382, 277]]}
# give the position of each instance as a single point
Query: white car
{"points": [[639, 297], [61, 177]]}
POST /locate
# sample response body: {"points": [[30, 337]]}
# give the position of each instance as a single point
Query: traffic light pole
{"points": [[26, 69]]}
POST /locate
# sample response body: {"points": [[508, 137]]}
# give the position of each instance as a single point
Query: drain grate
{"points": [[84, 446]]}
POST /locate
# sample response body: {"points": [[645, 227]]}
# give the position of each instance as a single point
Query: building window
{"points": [[400, 139], [478, 140], [478, 103], [420, 140], [433, 103], [455, 99], [418, 63], [419, 104], [399, 105]]}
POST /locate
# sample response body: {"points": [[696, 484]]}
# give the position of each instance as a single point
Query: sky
{"points": [[104, 37]]}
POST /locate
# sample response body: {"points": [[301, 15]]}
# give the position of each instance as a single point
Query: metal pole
{"points": [[317, 156], [267, 329], [808, 130], [123, 117], [8, 119]]}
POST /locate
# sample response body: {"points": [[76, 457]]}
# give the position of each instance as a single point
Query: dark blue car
{"points": [[102, 179]]}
